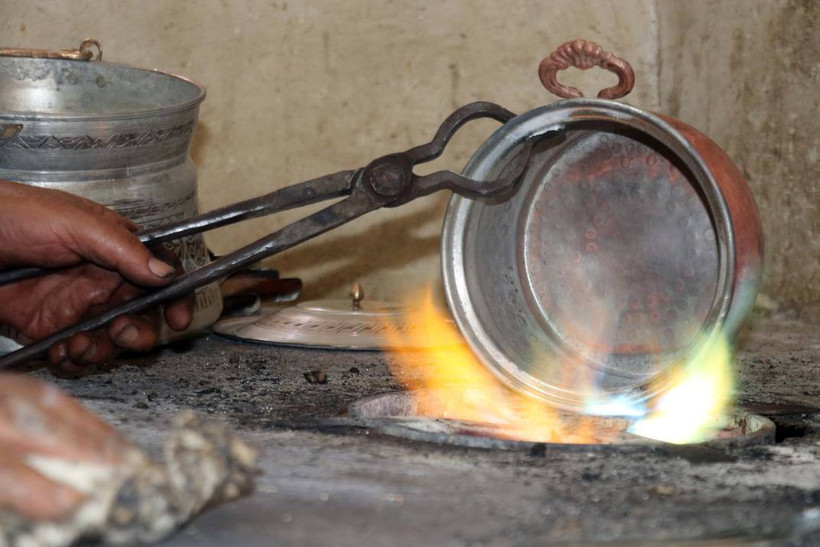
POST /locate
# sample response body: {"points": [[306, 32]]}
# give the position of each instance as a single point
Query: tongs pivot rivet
{"points": [[388, 176]]}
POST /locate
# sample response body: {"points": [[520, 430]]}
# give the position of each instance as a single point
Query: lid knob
{"points": [[356, 296]]}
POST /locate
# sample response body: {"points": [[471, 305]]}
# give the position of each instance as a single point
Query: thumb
{"points": [[113, 246]]}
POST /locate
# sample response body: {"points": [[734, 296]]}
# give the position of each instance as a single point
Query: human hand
{"points": [[39, 423], [54, 229], [67, 476]]}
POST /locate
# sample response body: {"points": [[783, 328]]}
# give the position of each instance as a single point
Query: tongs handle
{"points": [[292, 234], [388, 181], [291, 197]]}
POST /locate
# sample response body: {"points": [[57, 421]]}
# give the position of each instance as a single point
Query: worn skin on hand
{"points": [[128, 498]]}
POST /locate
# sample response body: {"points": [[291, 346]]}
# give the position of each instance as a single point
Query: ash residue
{"points": [[245, 383], [324, 485]]}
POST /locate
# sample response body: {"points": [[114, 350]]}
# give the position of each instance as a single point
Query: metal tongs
{"points": [[388, 181]]}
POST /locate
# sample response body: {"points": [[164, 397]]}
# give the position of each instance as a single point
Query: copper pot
{"points": [[629, 242]]}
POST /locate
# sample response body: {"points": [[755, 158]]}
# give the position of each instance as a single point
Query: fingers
{"points": [[69, 357], [38, 418], [133, 333], [66, 225], [113, 246], [180, 313], [39, 421], [90, 348], [73, 229], [33, 496], [128, 332], [59, 363]]}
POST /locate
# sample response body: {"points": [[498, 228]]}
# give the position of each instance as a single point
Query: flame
{"points": [[449, 382], [458, 387], [694, 408]]}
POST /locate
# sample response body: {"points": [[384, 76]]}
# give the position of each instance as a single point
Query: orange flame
{"points": [[451, 383], [458, 387]]}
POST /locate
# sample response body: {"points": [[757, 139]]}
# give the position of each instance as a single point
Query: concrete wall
{"points": [[299, 89]]}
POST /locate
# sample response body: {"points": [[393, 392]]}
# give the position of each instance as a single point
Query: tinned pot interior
{"points": [[601, 273]]}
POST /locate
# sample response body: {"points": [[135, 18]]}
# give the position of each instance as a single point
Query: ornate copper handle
{"points": [[583, 55], [83, 53]]}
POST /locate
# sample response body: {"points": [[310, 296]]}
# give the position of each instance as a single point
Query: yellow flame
{"points": [[458, 387], [694, 408], [451, 383]]}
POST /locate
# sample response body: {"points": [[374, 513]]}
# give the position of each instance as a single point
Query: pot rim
{"points": [[502, 142], [30, 115]]}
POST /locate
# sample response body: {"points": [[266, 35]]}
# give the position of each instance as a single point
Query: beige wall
{"points": [[746, 73], [298, 89]]}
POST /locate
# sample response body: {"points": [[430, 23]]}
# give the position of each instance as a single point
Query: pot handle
{"points": [[83, 53], [583, 55]]}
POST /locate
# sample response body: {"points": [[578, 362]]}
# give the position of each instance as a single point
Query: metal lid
{"points": [[337, 324]]}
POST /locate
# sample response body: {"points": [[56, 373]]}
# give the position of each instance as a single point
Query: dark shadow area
{"points": [[387, 245], [789, 429]]}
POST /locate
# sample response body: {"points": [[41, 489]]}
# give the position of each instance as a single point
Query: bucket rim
{"points": [[33, 115]]}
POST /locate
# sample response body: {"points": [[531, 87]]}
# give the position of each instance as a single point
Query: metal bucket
{"points": [[114, 134], [627, 242]]}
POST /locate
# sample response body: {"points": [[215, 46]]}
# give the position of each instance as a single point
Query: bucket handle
{"points": [[583, 55], [83, 53]]}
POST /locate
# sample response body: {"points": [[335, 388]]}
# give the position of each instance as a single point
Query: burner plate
{"points": [[396, 414]]}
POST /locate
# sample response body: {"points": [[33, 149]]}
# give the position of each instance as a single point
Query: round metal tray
{"points": [[328, 324]]}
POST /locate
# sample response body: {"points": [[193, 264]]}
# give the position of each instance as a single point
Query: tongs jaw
{"points": [[392, 176], [388, 181]]}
